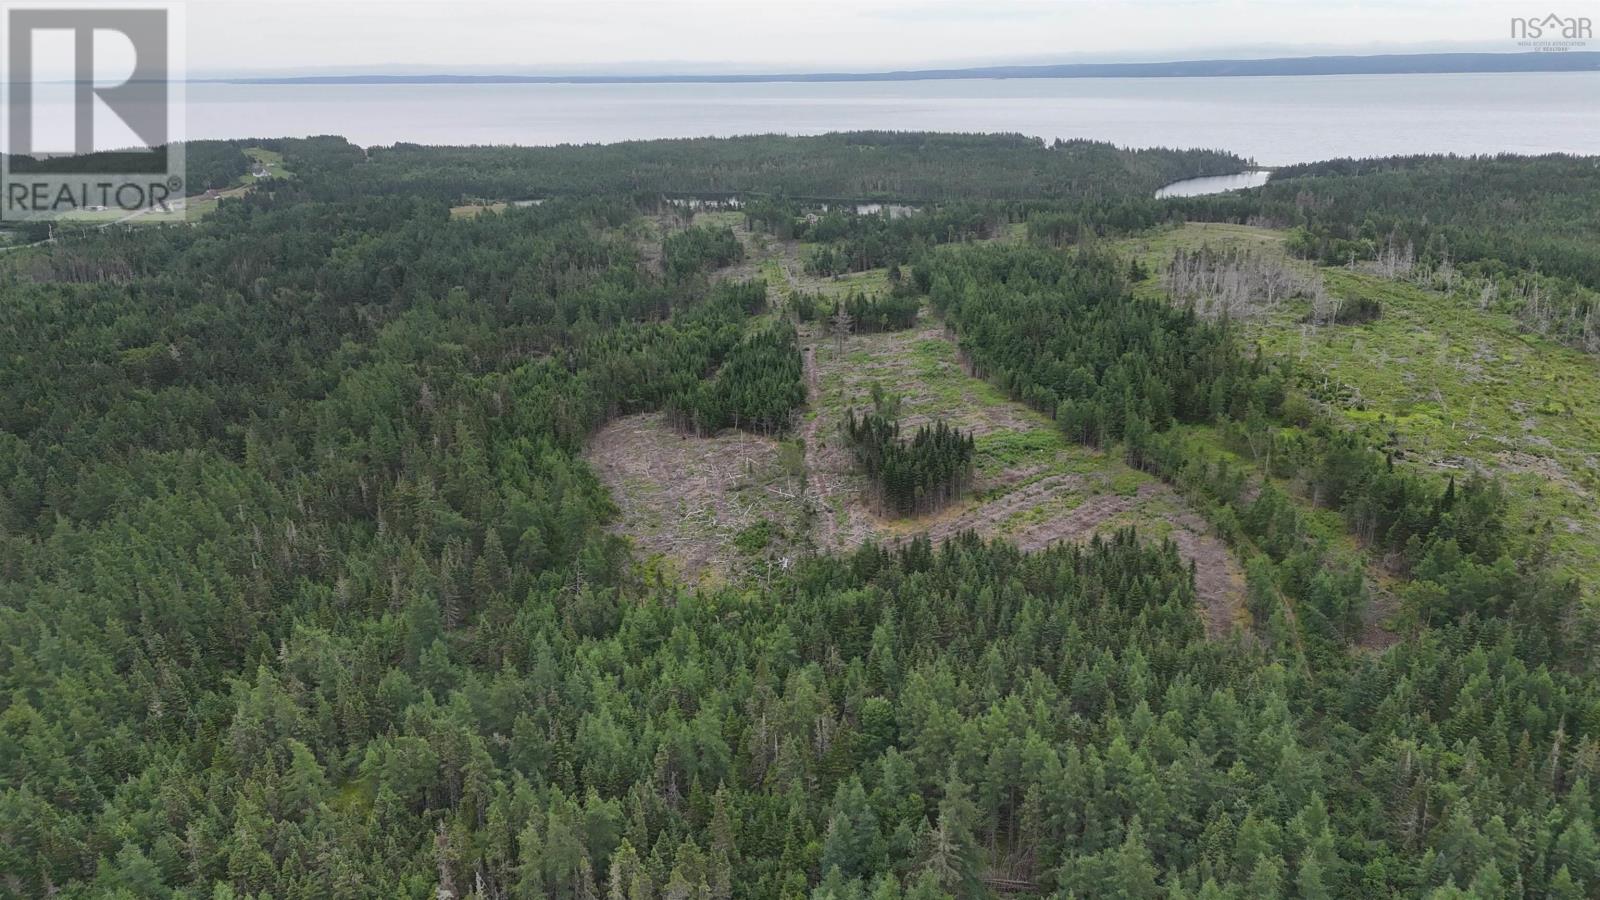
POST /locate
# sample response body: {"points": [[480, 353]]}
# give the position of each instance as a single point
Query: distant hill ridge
{"points": [[1388, 64]]}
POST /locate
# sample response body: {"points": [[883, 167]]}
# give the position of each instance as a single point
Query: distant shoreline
{"points": [[1389, 64]]}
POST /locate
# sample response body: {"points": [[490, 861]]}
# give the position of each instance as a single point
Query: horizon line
{"points": [[1455, 62]]}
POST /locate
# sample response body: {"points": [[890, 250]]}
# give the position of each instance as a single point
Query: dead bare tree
{"points": [[1325, 306], [1397, 260], [1233, 283], [843, 322]]}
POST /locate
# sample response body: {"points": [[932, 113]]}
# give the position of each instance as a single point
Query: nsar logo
{"points": [[1552, 32]]}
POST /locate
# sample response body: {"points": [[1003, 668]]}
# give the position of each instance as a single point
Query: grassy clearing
{"points": [[1463, 389], [272, 160], [94, 216], [719, 218], [193, 208], [919, 367], [187, 209], [872, 281], [1155, 248], [199, 206], [473, 210], [1456, 388]]}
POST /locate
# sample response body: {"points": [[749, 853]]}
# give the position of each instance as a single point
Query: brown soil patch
{"points": [[1519, 462], [1218, 578], [473, 210], [1382, 604], [687, 498], [833, 488]]}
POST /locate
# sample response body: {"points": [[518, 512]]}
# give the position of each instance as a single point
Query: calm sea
{"points": [[1275, 120]]}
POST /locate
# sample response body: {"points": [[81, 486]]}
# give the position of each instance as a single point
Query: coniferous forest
{"points": [[307, 590], [919, 474], [895, 311]]}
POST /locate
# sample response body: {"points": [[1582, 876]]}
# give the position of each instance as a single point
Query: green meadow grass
{"points": [[1457, 388]]}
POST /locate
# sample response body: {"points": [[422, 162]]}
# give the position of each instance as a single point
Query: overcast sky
{"points": [[586, 36]]}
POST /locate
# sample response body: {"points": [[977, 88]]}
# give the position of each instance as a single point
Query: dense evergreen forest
{"points": [[915, 475], [695, 250], [306, 590], [757, 388], [907, 166], [894, 311]]}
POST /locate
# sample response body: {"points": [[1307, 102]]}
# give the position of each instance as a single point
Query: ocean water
{"points": [[1274, 120]]}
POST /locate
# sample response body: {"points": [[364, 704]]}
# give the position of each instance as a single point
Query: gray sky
{"points": [[583, 36]]}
